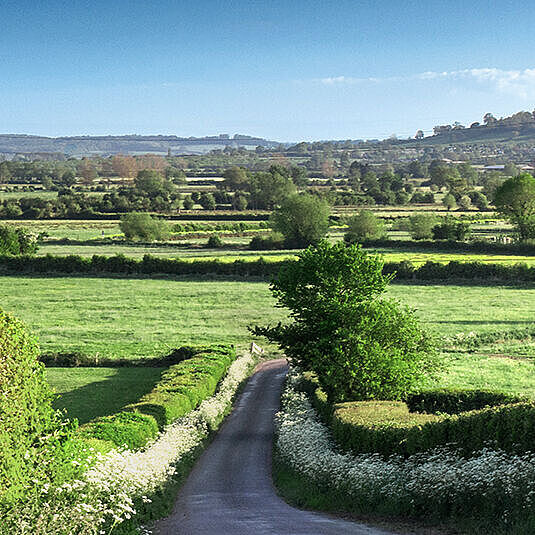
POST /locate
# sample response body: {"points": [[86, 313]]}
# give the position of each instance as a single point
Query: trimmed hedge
{"points": [[151, 265], [452, 401], [389, 428], [468, 420], [181, 389]]}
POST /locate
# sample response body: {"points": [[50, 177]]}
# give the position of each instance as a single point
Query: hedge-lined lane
{"points": [[180, 390]]}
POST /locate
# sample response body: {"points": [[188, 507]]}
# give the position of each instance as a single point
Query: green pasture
{"points": [[17, 194], [145, 317], [72, 229], [87, 393], [148, 317], [488, 372], [237, 249]]}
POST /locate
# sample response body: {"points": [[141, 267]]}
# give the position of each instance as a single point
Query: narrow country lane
{"points": [[230, 491]]}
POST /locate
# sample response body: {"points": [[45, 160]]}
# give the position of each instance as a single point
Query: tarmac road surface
{"points": [[230, 491]]}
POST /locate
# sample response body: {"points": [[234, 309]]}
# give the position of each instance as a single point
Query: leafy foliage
{"points": [[182, 387], [32, 435], [360, 346], [16, 241], [137, 225], [302, 219], [515, 198], [364, 226]]}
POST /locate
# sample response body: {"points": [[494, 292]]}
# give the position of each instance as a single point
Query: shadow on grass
{"points": [[108, 396]]}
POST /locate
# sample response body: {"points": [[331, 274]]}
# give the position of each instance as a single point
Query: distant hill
{"points": [[11, 144], [518, 128]]}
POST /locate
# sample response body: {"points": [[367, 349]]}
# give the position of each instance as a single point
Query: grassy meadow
{"points": [[87, 393], [147, 317], [136, 318]]}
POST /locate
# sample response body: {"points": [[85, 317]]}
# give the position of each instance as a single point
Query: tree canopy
{"points": [[360, 345], [515, 198], [302, 220]]}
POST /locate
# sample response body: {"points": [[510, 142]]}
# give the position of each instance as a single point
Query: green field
{"points": [[146, 317], [87, 393], [139, 318]]}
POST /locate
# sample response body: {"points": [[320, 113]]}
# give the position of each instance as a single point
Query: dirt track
{"points": [[230, 492]]}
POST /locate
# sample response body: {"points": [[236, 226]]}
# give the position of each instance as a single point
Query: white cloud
{"points": [[520, 83]]}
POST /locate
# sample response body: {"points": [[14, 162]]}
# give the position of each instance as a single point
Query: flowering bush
{"points": [[115, 487], [491, 487]]}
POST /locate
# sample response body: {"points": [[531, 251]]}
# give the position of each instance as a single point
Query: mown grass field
{"points": [[136, 318], [87, 393], [148, 317]]}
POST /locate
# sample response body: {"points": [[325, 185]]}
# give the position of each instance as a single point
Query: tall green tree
{"points": [[364, 226], [268, 189], [360, 345], [515, 198], [302, 220]]}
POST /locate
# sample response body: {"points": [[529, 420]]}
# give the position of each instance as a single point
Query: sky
{"points": [[283, 70]]}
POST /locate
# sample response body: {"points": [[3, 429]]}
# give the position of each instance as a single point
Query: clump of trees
{"points": [[359, 344], [17, 241], [515, 198]]}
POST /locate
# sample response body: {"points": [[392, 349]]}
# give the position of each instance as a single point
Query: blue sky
{"points": [[283, 70]]}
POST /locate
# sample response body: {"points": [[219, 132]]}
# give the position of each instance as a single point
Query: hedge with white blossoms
{"points": [[441, 484], [118, 483]]}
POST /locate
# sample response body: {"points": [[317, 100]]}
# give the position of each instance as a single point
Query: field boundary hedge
{"points": [[181, 389], [81, 360], [468, 420], [152, 265]]}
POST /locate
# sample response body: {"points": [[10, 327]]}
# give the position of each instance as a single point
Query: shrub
{"points": [[214, 242], [267, 243], [364, 226], [31, 434], [450, 229], [137, 225]]}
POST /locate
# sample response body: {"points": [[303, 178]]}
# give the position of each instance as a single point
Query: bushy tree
{"points": [[207, 201], [271, 188], [142, 226], [302, 220], [451, 229], [236, 178], [421, 226], [360, 345], [152, 183], [515, 198], [364, 226], [188, 203], [17, 241], [449, 201]]}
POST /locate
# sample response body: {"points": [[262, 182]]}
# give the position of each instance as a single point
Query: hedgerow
{"points": [[490, 491], [180, 390], [152, 265], [118, 490], [465, 419], [35, 444]]}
